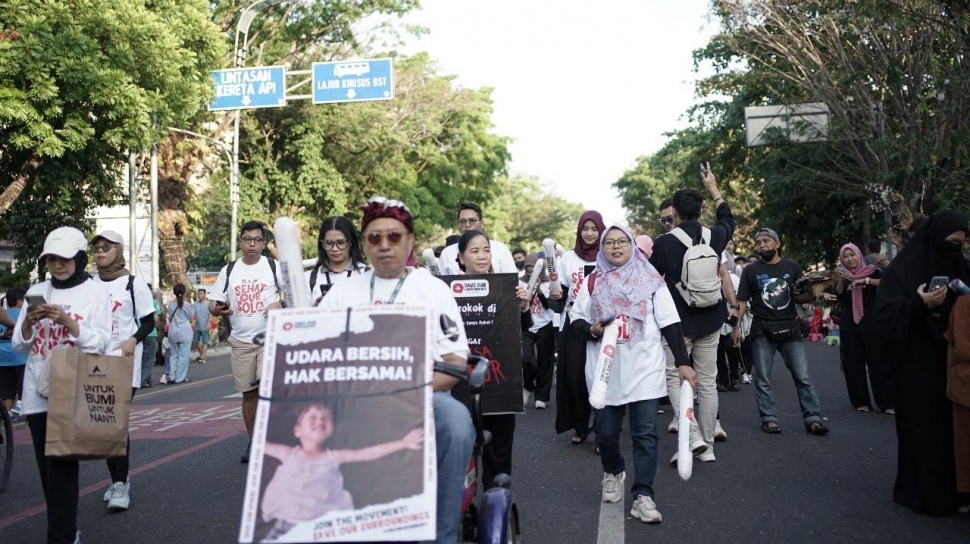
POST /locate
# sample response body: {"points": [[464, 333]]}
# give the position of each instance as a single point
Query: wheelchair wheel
{"points": [[6, 446]]}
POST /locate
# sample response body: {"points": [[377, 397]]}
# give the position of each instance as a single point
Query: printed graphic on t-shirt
{"points": [[775, 292], [623, 330], [46, 339], [575, 282], [249, 296]]}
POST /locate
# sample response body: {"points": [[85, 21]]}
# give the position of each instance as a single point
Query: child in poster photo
{"points": [[308, 482]]}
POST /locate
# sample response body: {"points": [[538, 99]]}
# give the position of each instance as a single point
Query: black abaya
{"points": [[572, 396]]}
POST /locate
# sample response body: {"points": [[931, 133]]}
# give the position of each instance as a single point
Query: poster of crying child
{"points": [[343, 445]]}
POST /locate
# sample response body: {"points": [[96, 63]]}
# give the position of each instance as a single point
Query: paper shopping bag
{"points": [[88, 406]]}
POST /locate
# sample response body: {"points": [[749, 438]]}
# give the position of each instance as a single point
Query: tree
{"points": [[83, 83], [527, 213]]}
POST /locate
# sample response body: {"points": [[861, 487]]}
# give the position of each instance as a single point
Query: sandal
{"points": [[579, 439], [816, 428], [770, 427]]}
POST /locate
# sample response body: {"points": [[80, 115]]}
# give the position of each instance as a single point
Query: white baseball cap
{"points": [[110, 236], [64, 242]]}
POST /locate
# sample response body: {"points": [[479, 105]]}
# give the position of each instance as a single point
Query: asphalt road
{"points": [[187, 482]]}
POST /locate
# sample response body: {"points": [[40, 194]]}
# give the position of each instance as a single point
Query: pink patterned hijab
{"points": [[861, 270], [626, 289]]}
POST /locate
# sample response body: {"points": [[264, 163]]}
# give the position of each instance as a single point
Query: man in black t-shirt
{"points": [[767, 285]]}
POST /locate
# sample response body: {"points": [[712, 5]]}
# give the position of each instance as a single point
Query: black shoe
{"points": [[734, 386], [721, 388], [245, 456]]}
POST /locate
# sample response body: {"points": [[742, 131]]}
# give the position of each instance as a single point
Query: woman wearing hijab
{"points": [[572, 397], [629, 290], [76, 313], [132, 320], [913, 320], [857, 329]]}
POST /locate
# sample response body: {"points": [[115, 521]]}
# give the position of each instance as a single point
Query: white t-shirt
{"points": [[123, 321], [420, 288], [541, 316], [252, 288], [572, 274], [638, 373], [89, 305], [502, 261], [325, 277]]}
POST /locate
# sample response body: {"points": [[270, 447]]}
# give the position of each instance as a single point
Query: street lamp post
{"points": [[242, 29]]}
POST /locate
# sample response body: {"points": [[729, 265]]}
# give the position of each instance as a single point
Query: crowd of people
{"points": [[684, 305]]}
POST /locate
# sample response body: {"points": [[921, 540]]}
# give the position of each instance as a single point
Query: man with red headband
{"points": [[387, 230]]}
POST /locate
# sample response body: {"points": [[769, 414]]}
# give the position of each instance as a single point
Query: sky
{"points": [[582, 88]]}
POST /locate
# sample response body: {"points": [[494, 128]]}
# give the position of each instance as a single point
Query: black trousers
{"points": [[497, 454], [859, 353], [538, 352], [728, 361], [118, 466], [59, 478]]}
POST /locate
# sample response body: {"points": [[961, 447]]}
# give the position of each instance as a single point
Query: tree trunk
{"points": [[20, 179], [172, 226]]}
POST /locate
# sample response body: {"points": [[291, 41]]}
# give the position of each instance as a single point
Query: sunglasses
{"points": [[376, 238], [669, 220], [101, 248]]}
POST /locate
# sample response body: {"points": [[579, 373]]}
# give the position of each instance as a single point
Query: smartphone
{"points": [[35, 300], [937, 282], [703, 168]]}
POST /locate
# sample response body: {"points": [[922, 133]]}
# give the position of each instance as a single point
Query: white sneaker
{"points": [[673, 460], [673, 427], [745, 378], [645, 510], [119, 497], [17, 408], [526, 394], [719, 434], [706, 456], [540, 405], [697, 444], [110, 491], [613, 486], [163, 379]]}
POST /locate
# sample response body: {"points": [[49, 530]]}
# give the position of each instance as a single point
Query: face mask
{"points": [[520, 265], [767, 255]]}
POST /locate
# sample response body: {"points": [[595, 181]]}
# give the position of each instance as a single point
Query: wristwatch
{"points": [[736, 306]]}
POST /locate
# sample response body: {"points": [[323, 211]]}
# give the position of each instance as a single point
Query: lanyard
{"points": [[397, 288]]}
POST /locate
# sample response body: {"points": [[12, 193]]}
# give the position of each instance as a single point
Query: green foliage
{"points": [[528, 213], [80, 87]]}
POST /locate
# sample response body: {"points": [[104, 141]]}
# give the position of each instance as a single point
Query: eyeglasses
{"points": [[376, 238], [621, 243], [669, 220], [101, 248], [252, 240], [334, 243], [467, 222]]}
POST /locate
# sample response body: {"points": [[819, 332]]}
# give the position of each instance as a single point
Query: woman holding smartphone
{"points": [[913, 319], [75, 312]]}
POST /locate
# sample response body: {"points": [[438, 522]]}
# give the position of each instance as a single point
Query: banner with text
{"points": [[343, 446], [490, 311]]}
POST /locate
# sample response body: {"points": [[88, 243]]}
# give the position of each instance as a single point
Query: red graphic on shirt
{"points": [[576, 283], [249, 297], [623, 330], [57, 335], [494, 365]]}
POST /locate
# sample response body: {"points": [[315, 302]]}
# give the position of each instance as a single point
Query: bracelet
{"points": [[721, 198]]}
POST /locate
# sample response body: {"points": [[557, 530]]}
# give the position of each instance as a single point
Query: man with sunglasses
{"points": [[667, 215], [388, 232], [249, 289], [470, 218]]}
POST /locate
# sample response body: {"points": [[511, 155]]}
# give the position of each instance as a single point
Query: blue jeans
{"points": [[149, 347], [454, 439], [643, 429], [793, 353], [180, 360]]}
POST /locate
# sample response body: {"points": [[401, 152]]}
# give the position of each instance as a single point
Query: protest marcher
{"points": [[387, 229], [180, 317], [572, 397], [12, 363], [539, 341], [245, 291], [767, 286], [150, 343], [470, 218], [200, 327], [518, 255], [308, 483], [132, 319], [475, 257], [858, 337], [700, 322], [913, 319], [339, 256], [76, 313], [627, 288], [666, 219]]}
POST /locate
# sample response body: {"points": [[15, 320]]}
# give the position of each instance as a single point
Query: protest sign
{"points": [[490, 312], [343, 446]]}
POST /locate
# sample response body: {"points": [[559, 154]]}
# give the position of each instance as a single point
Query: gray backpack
{"points": [[700, 278]]}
